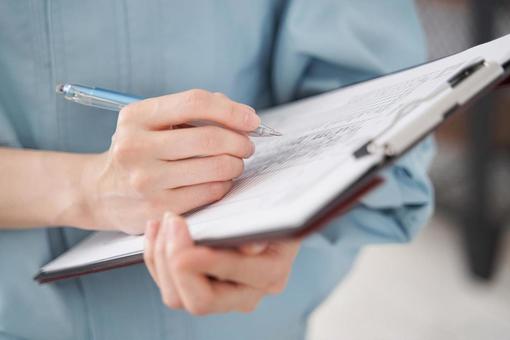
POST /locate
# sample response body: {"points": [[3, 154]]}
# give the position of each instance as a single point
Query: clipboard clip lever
{"points": [[465, 72], [389, 143]]}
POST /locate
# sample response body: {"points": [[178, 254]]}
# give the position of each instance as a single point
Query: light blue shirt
{"points": [[262, 53]]}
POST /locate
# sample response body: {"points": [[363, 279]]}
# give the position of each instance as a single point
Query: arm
{"points": [[148, 169], [41, 188]]}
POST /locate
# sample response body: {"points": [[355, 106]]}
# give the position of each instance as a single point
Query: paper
{"points": [[291, 177]]}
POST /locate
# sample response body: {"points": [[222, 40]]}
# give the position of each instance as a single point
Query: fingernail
{"points": [[252, 151], [259, 247], [251, 119], [170, 225]]}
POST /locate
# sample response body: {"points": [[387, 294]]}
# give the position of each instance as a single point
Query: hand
{"points": [[152, 167], [204, 280]]}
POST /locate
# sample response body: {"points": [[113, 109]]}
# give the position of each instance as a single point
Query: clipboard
{"points": [[473, 80]]}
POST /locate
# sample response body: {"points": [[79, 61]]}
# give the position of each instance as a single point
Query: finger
{"points": [[175, 174], [191, 286], [194, 289], [261, 271], [185, 107], [162, 262], [231, 297], [268, 270], [177, 239], [151, 232], [200, 141], [158, 175], [201, 296], [191, 197]]}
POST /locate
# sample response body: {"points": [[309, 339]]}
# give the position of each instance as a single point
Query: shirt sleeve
{"points": [[8, 137], [326, 44]]}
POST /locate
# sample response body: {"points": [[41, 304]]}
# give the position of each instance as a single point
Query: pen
{"points": [[115, 101]]}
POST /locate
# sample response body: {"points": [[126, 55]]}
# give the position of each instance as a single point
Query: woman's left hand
{"points": [[206, 281]]}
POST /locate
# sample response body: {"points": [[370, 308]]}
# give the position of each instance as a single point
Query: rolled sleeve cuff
{"points": [[406, 182], [393, 213], [8, 137]]}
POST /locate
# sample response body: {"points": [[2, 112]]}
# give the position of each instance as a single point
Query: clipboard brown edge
{"points": [[342, 204]]}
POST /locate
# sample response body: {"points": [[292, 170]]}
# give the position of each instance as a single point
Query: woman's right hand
{"points": [[152, 166]]}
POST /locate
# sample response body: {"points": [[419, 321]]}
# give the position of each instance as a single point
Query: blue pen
{"points": [[115, 101]]}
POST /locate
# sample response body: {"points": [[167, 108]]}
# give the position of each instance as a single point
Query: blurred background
{"points": [[453, 281]]}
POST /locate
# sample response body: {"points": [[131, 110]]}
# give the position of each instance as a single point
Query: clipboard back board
{"points": [[338, 206]]}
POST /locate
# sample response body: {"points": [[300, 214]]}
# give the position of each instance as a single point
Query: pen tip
{"points": [[59, 88], [272, 132]]}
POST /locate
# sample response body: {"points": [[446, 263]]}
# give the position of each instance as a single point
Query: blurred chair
{"points": [[468, 181], [483, 226]]}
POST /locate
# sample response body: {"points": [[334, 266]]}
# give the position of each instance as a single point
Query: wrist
{"points": [[74, 202]]}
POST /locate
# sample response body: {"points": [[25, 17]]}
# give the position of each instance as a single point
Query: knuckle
{"points": [[126, 114], [230, 111], [140, 182], [228, 106], [126, 145], [209, 138], [220, 95], [196, 97], [121, 149]]}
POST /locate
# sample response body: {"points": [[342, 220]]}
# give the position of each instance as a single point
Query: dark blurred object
{"points": [[471, 169], [482, 229]]}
